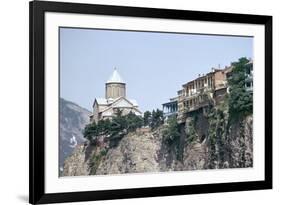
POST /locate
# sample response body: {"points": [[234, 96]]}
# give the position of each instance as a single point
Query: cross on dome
{"points": [[115, 77]]}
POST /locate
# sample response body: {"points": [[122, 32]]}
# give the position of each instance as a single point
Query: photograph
{"points": [[134, 101]]}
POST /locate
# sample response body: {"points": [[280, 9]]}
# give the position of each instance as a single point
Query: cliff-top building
{"points": [[115, 99], [205, 89], [198, 92]]}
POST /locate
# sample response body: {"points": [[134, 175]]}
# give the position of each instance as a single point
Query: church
{"points": [[115, 100]]}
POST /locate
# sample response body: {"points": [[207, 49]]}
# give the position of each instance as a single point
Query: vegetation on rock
{"points": [[147, 118], [95, 160], [191, 135], [222, 117], [172, 132], [121, 125], [240, 101], [157, 118]]}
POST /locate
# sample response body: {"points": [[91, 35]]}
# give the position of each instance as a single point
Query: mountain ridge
{"points": [[73, 119]]}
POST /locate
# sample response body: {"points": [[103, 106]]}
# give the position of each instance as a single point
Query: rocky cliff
{"points": [[231, 148], [207, 141]]}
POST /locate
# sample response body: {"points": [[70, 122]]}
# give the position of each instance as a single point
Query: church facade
{"points": [[115, 100]]}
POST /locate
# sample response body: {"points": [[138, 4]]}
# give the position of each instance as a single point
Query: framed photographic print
{"points": [[140, 102]]}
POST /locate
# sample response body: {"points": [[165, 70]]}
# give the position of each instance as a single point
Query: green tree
{"points": [[103, 127], [172, 138], [133, 122], [117, 127], [157, 118], [240, 100], [91, 132], [118, 124], [172, 132], [147, 118]]}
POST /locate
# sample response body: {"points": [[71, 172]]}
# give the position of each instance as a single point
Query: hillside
{"points": [[73, 119]]}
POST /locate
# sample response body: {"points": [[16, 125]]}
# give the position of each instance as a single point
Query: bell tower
{"points": [[115, 87]]}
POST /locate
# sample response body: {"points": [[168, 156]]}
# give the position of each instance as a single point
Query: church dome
{"points": [[115, 77], [115, 87]]}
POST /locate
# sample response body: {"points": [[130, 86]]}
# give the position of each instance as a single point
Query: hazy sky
{"points": [[153, 65]]}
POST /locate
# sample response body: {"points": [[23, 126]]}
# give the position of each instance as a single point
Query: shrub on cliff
{"points": [[240, 100], [94, 130], [147, 118], [133, 122], [114, 129], [157, 118], [172, 132]]}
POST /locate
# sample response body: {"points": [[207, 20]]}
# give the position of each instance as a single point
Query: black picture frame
{"points": [[37, 10]]}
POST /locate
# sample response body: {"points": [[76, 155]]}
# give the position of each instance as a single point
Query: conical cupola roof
{"points": [[115, 77]]}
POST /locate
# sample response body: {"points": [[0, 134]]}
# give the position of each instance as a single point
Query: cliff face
{"points": [[136, 152], [76, 164], [232, 148], [207, 141]]}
